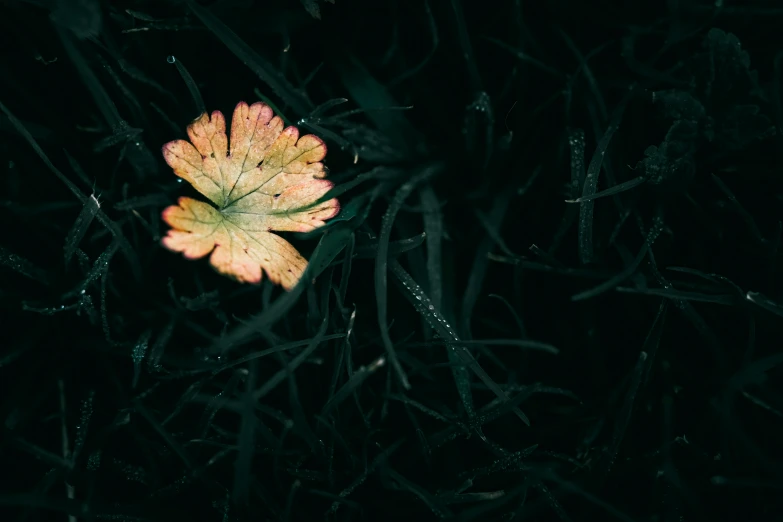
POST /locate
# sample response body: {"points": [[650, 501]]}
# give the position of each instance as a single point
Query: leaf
{"points": [[726, 72], [678, 104], [268, 178]]}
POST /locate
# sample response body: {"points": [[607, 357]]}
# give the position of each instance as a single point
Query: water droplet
{"points": [[171, 59]]}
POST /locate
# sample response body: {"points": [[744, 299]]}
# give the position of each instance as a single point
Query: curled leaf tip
{"points": [[266, 178]]}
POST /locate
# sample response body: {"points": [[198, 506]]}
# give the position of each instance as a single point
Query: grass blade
{"points": [[591, 182], [424, 306], [263, 69]]}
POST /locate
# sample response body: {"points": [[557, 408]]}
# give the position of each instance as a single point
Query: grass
{"points": [[552, 292]]}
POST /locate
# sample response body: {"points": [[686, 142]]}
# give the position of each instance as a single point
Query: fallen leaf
{"points": [[270, 179]]}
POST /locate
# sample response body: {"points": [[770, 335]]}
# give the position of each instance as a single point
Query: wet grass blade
{"points": [[99, 268], [331, 244], [136, 151], [266, 99], [655, 230], [100, 215], [280, 348], [278, 377], [517, 319], [520, 343], [171, 442], [175, 129], [434, 39], [576, 142], [433, 228], [246, 440], [764, 302], [151, 200], [602, 467], [762, 403], [584, 68], [722, 299], [435, 504], [22, 266], [526, 58], [591, 182], [749, 221], [263, 69], [198, 101], [422, 408], [692, 315], [777, 100], [381, 261], [102, 100], [611, 191], [80, 226], [395, 249], [330, 135], [500, 205], [356, 379], [71, 507], [653, 340], [345, 277], [370, 94], [474, 77], [159, 346], [298, 416], [358, 481], [578, 490], [325, 106], [424, 306], [219, 402], [138, 353], [51, 459]]}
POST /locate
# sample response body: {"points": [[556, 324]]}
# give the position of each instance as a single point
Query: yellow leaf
{"points": [[269, 180]]}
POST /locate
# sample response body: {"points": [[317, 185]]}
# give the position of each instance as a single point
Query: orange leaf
{"points": [[270, 179]]}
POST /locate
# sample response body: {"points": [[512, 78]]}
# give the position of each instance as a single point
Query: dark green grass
{"points": [[553, 291]]}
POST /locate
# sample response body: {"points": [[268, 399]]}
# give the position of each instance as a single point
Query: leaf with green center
{"points": [[267, 179]]}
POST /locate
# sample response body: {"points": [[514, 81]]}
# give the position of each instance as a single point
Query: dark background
{"points": [[663, 402]]}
